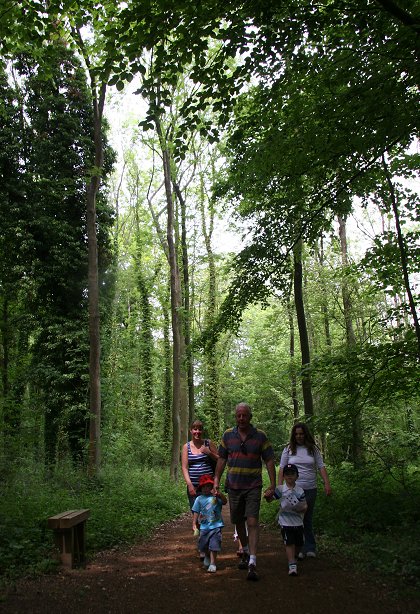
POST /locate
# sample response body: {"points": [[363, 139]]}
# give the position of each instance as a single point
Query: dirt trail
{"points": [[163, 575]]}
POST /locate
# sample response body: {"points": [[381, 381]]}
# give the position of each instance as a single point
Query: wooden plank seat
{"points": [[70, 536]]}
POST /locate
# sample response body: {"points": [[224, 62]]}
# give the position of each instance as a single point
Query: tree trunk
{"points": [[357, 437], [319, 252], [324, 306], [176, 310], [303, 331], [93, 291], [98, 102], [293, 382], [212, 403], [345, 290], [167, 377], [145, 333], [188, 367], [403, 252]]}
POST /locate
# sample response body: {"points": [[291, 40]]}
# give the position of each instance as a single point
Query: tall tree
{"points": [[303, 332], [393, 198], [211, 402], [59, 144], [15, 214], [357, 437]]}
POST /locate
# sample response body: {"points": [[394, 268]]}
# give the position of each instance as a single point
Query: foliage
{"points": [[312, 98], [126, 503], [371, 518], [47, 301], [379, 383]]}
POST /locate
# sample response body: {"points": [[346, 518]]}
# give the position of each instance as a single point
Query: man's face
{"points": [[243, 417]]}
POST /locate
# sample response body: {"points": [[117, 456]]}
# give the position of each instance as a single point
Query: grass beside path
{"points": [[125, 504]]}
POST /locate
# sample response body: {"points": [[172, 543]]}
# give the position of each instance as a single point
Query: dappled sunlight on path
{"points": [[163, 575]]}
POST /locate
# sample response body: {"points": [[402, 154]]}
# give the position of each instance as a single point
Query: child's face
{"points": [[290, 479], [206, 489]]}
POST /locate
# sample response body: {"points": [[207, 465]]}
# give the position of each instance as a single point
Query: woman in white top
{"points": [[303, 452]]}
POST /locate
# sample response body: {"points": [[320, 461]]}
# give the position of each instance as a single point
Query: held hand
{"points": [[269, 494], [191, 490]]}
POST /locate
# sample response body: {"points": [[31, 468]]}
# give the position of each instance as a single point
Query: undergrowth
{"points": [[371, 519], [126, 503]]}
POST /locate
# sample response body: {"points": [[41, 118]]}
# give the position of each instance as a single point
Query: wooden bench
{"points": [[70, 536]]}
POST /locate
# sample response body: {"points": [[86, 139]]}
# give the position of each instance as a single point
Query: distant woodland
{"points": [[290, 126]]}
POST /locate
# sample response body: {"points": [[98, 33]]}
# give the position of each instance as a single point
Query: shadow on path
{"points": [[163, 575]]}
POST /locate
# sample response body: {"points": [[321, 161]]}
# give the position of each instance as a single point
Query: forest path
{"points": [[163, 575]]}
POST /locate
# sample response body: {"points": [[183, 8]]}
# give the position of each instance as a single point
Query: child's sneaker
{"points": [[206, 561], [292, 569], [212, 568]]}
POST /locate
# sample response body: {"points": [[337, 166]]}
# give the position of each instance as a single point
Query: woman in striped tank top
{"points": [[198, 458]]}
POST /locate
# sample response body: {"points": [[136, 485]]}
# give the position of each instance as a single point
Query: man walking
{"points": [[243, 448]]}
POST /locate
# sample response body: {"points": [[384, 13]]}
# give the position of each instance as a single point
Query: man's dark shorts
{"points": [[292, 535], [244, 504], [210, 539]]}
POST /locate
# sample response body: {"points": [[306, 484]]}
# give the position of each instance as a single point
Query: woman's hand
{"points": [[191, 490]]}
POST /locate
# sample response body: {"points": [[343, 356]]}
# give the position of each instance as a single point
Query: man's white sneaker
{"points": [[301, 556], [212, 568], [311, 555]]}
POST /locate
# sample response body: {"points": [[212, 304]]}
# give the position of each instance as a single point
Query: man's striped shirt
{"points": [[244, 460]]}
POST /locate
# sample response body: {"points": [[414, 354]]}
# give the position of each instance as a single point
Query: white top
{"points": [[289, 499], [306, 463]]}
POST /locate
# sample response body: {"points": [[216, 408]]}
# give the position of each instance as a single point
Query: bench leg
{"points": [[71, 544], [79, 544]]}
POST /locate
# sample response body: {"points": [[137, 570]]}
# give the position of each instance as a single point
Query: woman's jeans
{"points": [[309, 545]]}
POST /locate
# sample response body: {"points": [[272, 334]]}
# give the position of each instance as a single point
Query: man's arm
{"points": [[271, 468], [220, 467]]}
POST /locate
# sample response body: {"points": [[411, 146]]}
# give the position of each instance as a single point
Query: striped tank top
{"points": [[198, 465]]}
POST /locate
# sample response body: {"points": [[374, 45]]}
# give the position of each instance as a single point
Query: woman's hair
{"points": [[196, 421], [309, 441]]}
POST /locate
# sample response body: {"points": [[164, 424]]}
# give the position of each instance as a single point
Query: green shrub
{"points": [[371, 518], [126, 503]]}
